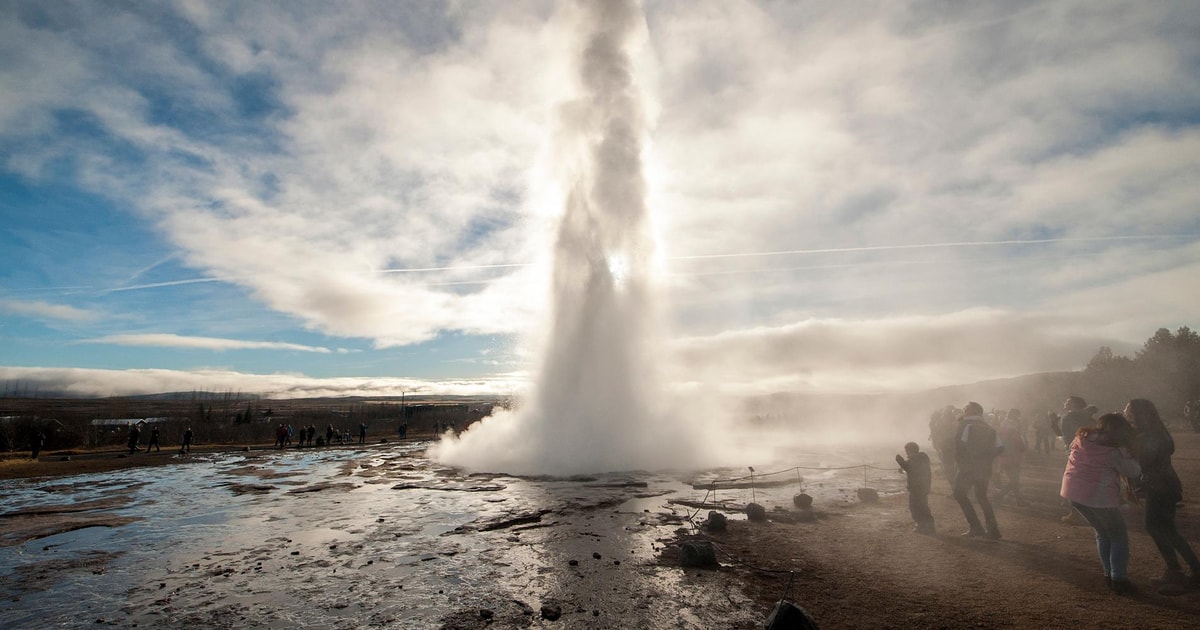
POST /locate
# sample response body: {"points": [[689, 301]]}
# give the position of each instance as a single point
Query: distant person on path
{"points": [[1074, 418], [312, 434], [187, 441], [1099, 457], [153, 441], [134, 434], [942, 429], [329, 435], [362, 433], [1044, 433], [1161, 489], [920, 477], [975, 446], [1008, 463], [403, 430], [35, 444]]}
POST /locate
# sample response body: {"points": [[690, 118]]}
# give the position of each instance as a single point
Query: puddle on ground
{"points": [[378, 537]]}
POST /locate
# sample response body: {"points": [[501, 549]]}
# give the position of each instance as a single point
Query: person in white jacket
{"points": [[1099, 457]]}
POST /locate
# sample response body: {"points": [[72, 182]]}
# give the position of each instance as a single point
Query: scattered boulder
{"points": [[699, 554], [551, 612], [788, 616], [868, 495], [756, 512], [486, 614], [802, 501], [804, 516], [716, 522]]}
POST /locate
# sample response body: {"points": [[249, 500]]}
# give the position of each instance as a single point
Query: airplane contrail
{"points": [[880, 248]]}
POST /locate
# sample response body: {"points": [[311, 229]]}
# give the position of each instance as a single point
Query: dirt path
{"points": [[862, 566]]}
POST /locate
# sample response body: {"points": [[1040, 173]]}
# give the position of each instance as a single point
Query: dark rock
{"points": [[802, 501], [295, 553], [596, 555], [486, 614], [756, 512], [698, 553], [716, 522], [805, 516], [573, 563], [551, 612], [868, 495]]}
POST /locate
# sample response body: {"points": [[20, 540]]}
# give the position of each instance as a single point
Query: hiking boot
{"points": [[1123, 587], [992, 534], [972, 533], [1172, 577], [1108, 581]]}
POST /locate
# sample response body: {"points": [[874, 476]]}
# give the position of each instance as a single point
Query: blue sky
{"points": [[313, 198]]}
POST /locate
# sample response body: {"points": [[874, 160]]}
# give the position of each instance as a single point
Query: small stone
{"points": [[616, 562], [802, 501], [868, 495], [595, 613], [551, 612], [295, 553], [596, 555], [486, 614], [573, 563], [716, 522], [756, 512]]}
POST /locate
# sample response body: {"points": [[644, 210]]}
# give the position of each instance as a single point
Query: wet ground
{"points": [[378, 536]]}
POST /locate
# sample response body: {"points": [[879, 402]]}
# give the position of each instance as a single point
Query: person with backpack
{"points": [[975, 446]]}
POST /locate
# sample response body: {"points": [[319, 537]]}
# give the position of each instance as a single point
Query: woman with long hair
{"points": [[1099, 457], [1161, 489]]}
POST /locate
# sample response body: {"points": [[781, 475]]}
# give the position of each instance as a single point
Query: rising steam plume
{"points": [[597, 403]]}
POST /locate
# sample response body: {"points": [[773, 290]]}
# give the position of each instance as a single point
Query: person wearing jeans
{"points": [[1099, 457]]}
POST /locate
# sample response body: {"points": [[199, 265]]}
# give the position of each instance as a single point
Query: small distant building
{"points": [[125, 422]]}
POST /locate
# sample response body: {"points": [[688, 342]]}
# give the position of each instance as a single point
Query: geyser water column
{"points": [[597, 403]]}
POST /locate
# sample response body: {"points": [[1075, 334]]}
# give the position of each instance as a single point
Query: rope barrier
{"points": [[799, 468]]}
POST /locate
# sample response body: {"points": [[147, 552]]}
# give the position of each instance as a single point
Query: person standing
{"points": [[134, 434], [920, 477], [1074, 418], [975, 446], [153, 440], [1009, 461], [362, 432], [1044, 433], [1099, 457], [187, 441], [1161, 489], [36, 443]]}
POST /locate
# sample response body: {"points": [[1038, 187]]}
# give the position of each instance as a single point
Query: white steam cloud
{"points": [[598, 403]]}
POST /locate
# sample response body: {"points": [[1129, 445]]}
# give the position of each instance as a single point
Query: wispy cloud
{"points": [[46, 310], [166, 340]]}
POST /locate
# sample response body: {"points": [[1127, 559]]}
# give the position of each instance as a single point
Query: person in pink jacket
{"points": [[1099, 457]]}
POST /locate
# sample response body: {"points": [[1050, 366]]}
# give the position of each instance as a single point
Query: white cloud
{"points": [[102, 383], [167, 340], [40, 309]]}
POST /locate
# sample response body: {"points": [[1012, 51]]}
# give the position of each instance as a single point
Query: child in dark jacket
{"points": [[919, 477]]}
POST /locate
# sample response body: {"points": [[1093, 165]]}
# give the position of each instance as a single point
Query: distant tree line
{"points": [[1166, 370]]}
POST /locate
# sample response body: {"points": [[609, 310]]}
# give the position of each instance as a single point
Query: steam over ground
{"points": [[598, 402]]}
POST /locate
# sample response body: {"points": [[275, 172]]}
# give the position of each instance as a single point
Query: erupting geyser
{"points": [[597, 403]]}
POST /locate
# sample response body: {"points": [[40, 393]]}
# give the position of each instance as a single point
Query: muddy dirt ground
{"points": [[379, 536]]}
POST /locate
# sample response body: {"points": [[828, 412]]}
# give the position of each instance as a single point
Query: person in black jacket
{"points": [[917, 468], [975, 446], [1161, 489]]}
